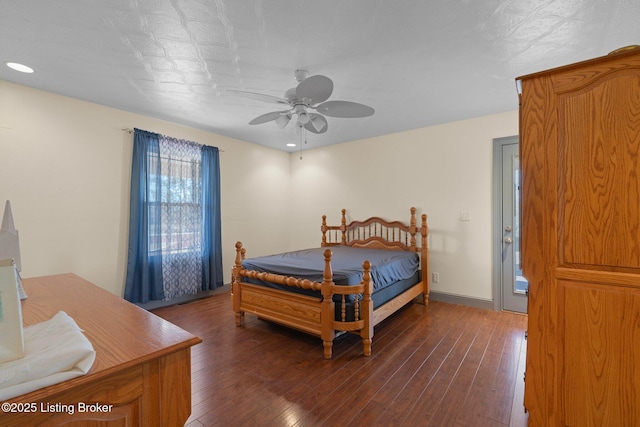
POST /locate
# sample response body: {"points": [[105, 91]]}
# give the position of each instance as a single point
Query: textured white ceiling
{"points": [[417, 62]]}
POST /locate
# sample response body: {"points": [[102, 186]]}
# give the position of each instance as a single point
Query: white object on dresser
{"points": [[12, 342]]}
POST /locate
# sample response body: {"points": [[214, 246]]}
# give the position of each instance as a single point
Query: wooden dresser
{"points": [[142, 366], [580, 159]]}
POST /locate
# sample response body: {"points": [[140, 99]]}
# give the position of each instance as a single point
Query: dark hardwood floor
{"points": [[435, 365]]}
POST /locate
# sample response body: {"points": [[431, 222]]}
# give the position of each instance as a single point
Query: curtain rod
{"points": [[130, 131]]}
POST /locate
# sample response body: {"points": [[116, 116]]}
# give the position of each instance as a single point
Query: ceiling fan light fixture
{"points": [[318, 124], [303, 118], [283, 120]]}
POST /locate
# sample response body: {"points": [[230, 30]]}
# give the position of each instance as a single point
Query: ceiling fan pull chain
{"points": [[301, 128]]}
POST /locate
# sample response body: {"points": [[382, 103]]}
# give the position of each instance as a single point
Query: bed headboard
{"points": [[377, 233]]}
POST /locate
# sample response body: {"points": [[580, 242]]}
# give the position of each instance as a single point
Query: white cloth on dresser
{"points": [[55, 350]]}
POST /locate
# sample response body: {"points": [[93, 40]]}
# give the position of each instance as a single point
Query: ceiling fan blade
{"points": [[266, 117], [258, 96], [316, 123], [345, 109], [317, 88]]}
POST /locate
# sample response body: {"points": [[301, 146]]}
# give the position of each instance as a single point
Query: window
{"points": [[175, 207]]}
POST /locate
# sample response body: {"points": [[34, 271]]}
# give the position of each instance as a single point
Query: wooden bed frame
{"points": [[317, 316]]}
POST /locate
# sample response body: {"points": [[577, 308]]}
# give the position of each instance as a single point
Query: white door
{"points": [[511, 287]]}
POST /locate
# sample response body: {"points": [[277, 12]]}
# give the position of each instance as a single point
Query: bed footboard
{"points": [[315, 316]]}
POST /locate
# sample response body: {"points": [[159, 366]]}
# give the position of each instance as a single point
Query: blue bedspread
{"points": [[387, 266]]}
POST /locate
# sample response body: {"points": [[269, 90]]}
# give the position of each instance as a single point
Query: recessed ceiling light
{"points": [[291, 144], [19, 67]]}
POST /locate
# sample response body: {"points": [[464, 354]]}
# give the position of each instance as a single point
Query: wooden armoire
{"points": [[580, 165]]}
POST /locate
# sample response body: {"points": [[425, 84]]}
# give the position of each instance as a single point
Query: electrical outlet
{"points": [[435, 277]]}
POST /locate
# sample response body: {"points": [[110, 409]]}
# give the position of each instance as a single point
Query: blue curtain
{"points": [[144, 264], [175, 233], [211, 226]]}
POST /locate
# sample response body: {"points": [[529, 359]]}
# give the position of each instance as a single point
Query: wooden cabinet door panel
{"points": [[599, 173], [599, 380]]}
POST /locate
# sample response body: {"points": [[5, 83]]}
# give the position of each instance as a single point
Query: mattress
{"points": [[392, 272]]}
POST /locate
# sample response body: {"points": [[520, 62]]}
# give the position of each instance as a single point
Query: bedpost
{"points": [[367, 309], [328, 306], [413, 229], [343, 226], [235, 283], [424, 256], [323, 228]]}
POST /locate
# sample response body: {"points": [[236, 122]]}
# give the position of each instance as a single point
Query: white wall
{"points": [[65, 164], [441, 170]]}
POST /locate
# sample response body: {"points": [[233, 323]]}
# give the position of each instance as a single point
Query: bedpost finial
{"points": [[424, 231], [343, 227], [328, 272], [323, 229], [239, 253], [366, 279]]}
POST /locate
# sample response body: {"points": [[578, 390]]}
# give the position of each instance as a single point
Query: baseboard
{"points": [[152, 305], [462, 300]]}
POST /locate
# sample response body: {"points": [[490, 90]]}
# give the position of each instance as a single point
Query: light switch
{"points": [[465, 216]]}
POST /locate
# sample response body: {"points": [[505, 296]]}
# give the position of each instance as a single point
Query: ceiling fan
{"points": [[311, 93]]}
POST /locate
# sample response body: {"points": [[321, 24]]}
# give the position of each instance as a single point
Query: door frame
{"points": [[497, 232]]}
